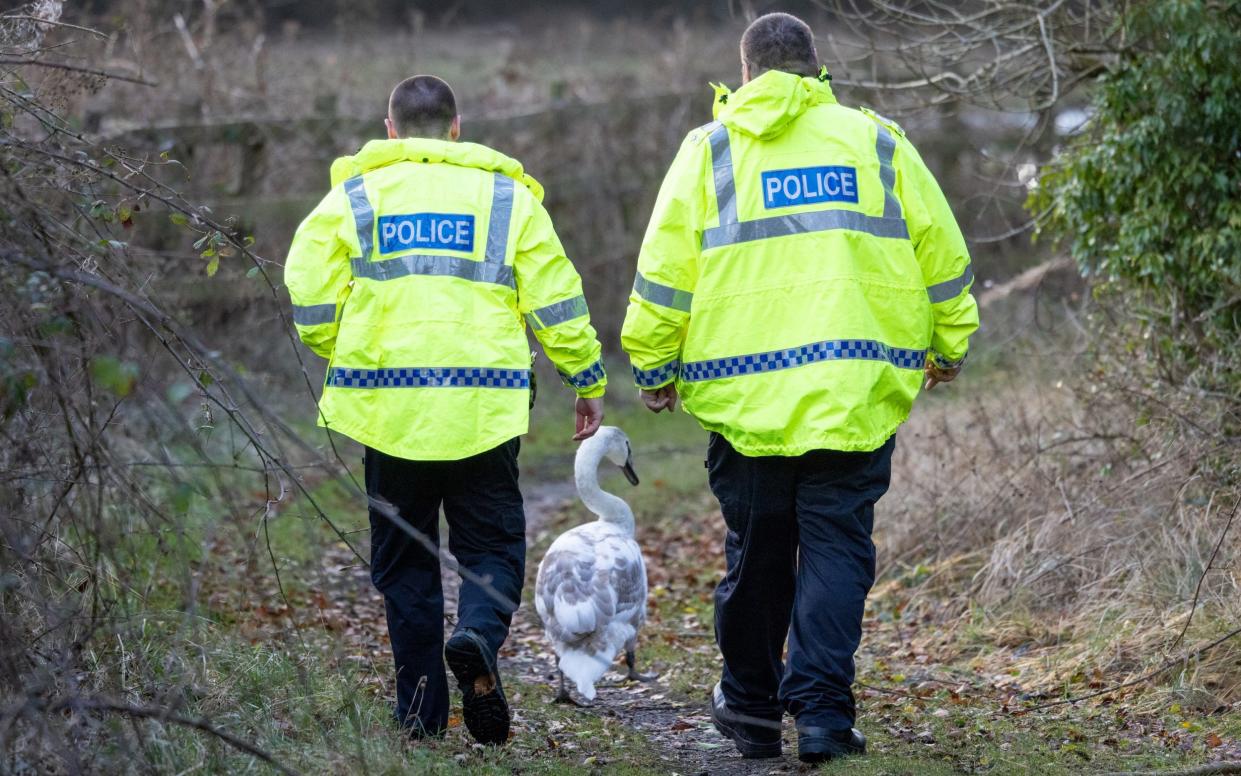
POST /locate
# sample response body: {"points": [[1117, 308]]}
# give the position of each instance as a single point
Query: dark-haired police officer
{"points": [[415, 277], [801, 277]]}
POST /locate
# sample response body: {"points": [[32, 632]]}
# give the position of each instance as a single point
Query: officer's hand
{"points": [[589, 416], [937, 374], [661, 398]]}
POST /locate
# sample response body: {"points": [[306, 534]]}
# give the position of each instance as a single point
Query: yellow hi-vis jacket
{"points": [[800, 267], [412, 277]]}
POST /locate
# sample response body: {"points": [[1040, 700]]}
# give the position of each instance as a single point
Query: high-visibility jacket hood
{"points": [[766, 106], [381, 153]]}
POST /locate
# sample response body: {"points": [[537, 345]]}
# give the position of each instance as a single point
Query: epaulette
{"points": [[884, 120]]}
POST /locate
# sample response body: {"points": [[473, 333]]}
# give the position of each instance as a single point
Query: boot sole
{"points": [[484, 708]]}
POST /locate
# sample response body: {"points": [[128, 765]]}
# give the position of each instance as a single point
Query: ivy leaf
{"points": [[114, 375], [182, 496]]}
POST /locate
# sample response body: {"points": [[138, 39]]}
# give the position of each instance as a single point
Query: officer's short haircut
{"points": [[422, 106], [779, 41]]}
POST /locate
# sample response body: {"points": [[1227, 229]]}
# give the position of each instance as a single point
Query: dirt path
{"points": [[921, 707], [680, 729]]}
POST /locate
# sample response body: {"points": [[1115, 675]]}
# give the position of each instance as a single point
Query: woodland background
{"points": [[182, 553]]}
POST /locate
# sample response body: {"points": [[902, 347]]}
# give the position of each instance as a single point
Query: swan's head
{"points": [[611, 443]]}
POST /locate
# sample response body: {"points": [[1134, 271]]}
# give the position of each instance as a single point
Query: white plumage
{"points": [[591, 588]]}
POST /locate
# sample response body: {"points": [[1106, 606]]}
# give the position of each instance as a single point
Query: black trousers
{"points": [[487, 535], [800, 563]]}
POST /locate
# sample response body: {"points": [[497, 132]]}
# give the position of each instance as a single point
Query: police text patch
{"points": [[447, 231], [808, 185]]}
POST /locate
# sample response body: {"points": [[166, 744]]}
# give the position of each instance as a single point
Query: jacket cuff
{"points": [[947, 363], [658, 377], [594, 392], [584, 383]]}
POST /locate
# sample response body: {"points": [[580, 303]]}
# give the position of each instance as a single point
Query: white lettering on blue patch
{"points": [[446, 231], [808, 185]]}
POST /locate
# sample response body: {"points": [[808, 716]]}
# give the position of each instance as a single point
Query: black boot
{"points": [[755, 738], [817, 745], [483, 705]]}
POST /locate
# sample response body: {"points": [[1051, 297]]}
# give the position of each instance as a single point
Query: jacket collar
{"points": [[381, 153], [766, 106]]}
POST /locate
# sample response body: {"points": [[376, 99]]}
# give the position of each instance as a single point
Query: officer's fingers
{"points": [[654, 400], [587, 426], [930, 383]]}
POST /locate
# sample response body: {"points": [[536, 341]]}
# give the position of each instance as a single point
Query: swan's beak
{"points": [[630, 474]]}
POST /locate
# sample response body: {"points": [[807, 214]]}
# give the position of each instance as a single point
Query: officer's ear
{"points": [[391, 128], [745, 71], [454, 129]]}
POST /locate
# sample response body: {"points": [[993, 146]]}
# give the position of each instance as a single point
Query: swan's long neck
{"points": [[609, 508]]}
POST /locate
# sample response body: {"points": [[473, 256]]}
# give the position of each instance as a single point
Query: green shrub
{"points": [[1148, 197]]}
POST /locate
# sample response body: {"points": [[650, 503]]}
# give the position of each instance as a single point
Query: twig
{"points": [[889, 691], [164, 715], [76, 69], [1232, 766], [1144, 677], [1210, 563], [188, 41], [66, 25]]}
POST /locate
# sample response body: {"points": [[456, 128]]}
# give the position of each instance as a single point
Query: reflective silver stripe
{"points": [[660, 294], [501, 214], [558, 313], [363, 213], [950, 289], [885, 146], [722, 165], [421, 264], [803, 223], [314, 314]]}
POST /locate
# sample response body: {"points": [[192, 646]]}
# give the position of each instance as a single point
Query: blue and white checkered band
{"points": [[650, 378], [831, 350], [585, 378], [428, 377]]}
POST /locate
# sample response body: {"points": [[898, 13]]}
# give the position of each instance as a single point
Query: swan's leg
{"points": [[630, 660], [563, 696]]}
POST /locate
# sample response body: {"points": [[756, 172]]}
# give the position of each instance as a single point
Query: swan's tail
{"points": [[584, 668]]}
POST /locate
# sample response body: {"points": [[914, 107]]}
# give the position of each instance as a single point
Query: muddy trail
{"points": [[677, 727], [915, 694]]}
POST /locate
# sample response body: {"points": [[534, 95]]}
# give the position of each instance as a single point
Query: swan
{"points": [[591, 589]]}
